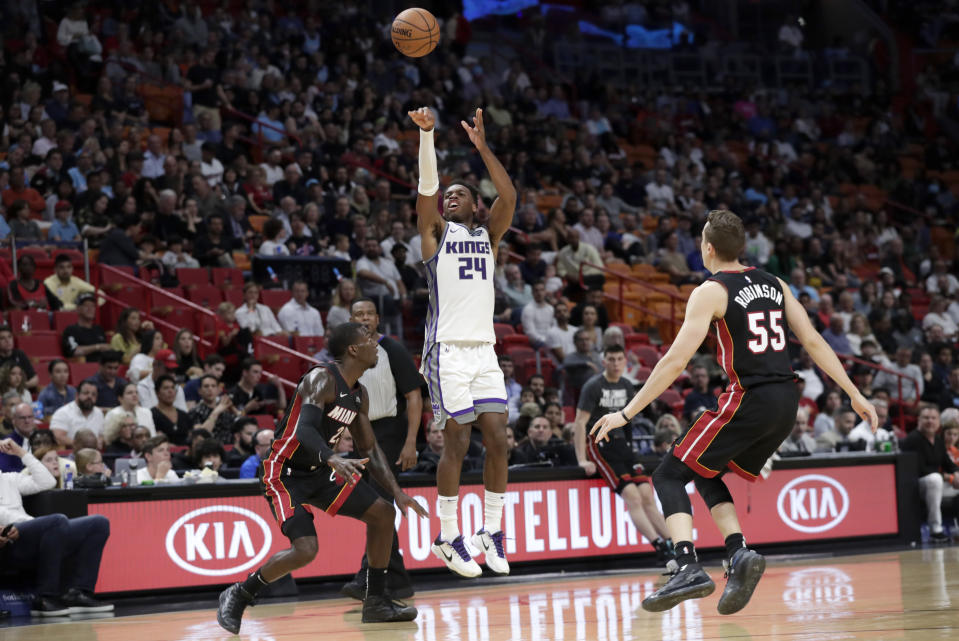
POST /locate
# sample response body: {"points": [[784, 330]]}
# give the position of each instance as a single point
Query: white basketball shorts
{"points": [[464, 380]]}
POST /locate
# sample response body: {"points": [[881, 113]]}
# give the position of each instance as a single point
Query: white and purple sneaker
{"points": [[456, 557], [492, 547]]}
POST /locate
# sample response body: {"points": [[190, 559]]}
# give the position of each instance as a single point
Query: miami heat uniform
{"points": [[758, 409], [294, 476], [459, 362]]}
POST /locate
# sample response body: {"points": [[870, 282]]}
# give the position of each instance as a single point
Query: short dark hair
{"points": [[198, 431], [364, 299], [614, 348], [153, 442], [474, 192], [210, 376], [62, 258], [87, 382], [342, 336], [163, 379], [725, 233], [505, 357], [54, 363], [213, 359], [242, 422], [5, 328], [272, 228], [249, 362], [208, 447], [111, 356]]}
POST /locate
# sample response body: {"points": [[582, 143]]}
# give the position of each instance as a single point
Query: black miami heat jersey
{"points": [[337, 417], [751, 337]]}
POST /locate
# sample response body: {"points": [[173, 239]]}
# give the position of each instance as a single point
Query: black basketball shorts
{"points": [[741, 435], [289, 491], [616, 462]]}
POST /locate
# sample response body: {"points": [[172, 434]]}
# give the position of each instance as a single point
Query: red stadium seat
{"points": [[41, 365], [503, 329], [265, 421], [82, 371], [191, 277], [62, 320], [233, 295], [308, 345], [519, 354], [569, 414], [39, 344], [275, 298], [206, 296], [228, 277], [37, 320], [515, 340], [646, 354]]}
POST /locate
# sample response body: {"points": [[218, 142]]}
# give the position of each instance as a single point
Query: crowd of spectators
{"points": [[289, 135]]}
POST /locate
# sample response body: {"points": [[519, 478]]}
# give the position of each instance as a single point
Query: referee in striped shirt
{"points": [[396, 409]]}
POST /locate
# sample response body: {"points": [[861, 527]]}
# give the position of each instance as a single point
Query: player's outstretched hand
{"points": [[423, 117], [603, 426], [347, 468], [865, 409], [405, 502], [477, 132]]}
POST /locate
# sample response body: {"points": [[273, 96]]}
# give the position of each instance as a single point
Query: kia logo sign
{"points": [[218, 540], [813, 503]]}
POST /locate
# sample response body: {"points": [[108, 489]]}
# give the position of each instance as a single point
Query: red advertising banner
{"points": [[179, 543]]}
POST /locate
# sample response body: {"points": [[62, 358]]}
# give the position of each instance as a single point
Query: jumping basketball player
{"points": [[465, 382], [746, 308], [301, 469]]}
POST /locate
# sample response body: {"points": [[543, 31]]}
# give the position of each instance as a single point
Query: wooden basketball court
{"points": [[898, 595]]}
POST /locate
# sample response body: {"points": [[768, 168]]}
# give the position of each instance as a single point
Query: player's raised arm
{"points": [[501, 213], [824, 356], [316, 390], [429, 222], [708, 301], [366, 444]]}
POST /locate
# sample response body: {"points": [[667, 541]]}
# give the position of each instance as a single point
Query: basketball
{"points": [[415, 32]]}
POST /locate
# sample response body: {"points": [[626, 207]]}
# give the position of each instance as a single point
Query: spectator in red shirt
{"points": [[20, 191], [28, 292]]}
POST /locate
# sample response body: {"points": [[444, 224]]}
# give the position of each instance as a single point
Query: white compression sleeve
{"points": [[429, 179]]}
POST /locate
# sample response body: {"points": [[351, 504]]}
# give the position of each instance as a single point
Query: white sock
{"points": [[493, 511], [449, 528]]}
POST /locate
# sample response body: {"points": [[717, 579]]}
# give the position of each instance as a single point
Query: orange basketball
{"points": [[415, 32]]}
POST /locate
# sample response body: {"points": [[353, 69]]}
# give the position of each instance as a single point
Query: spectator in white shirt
{"points": [[380, 280], [397, 232], [272, 167], [159, 467], [175, 257], [154, 158], [659, 194], [559, 337], [255, 316], [210, 166], [941, 281], [588, 232], [272, 246], [890, 382], [758, 247], [537, 317], [163, 363], [299, 317], [81, 413], [937, 315]]}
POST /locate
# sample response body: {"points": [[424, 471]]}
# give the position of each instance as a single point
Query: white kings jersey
{"points": [[460, 278]]}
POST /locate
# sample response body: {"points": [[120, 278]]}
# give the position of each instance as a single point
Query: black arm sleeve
{"points": [[308, 433]]}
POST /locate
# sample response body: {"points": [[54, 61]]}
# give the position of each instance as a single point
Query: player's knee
{"points": [[713, 491], [646, 495], [381, 514], [305, 549], [457, 442]]}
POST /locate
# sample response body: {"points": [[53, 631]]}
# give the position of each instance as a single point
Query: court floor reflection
{"points": [[909, 595]]}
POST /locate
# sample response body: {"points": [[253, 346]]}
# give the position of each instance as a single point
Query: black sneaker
{"points": [[233, 601], [357, 590], [691, 582], [383, 609], [81, 602], [354, 589], [938, 537], [48, 606], [742, 574]]}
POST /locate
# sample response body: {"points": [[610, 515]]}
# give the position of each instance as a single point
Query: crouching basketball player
{"points": [[750, 311], [302, 469]]}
